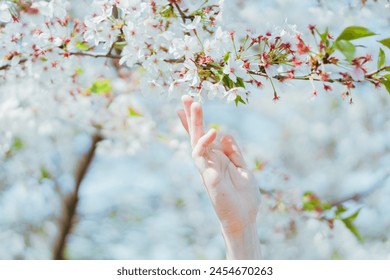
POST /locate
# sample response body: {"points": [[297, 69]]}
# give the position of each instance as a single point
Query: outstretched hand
{"points": [[228, 181]]}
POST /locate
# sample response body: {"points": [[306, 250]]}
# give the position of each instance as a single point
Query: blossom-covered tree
{"points": [[70, 72]]}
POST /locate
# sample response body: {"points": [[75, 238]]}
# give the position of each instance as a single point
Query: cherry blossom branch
{"points": [[71, 201], [361, 195], [96, 55], [301, 78], [7, 66], [383, 68], [307, 77], [108, 55], [182, 14]]}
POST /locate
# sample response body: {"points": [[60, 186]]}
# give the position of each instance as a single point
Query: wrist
{"points": [[243, 243]]}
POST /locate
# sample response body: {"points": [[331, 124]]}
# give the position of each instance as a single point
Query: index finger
{"points": [[196, 126]]}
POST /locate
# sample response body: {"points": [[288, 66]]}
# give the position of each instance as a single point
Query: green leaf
{"points": [[214, 64], [17, 144], [226, 57], [324, 36], [227, 81], [347, 48], [239, 100], [310, 201], [340, 209], [79, 70], [240, 82], [180, 203], [215, 126], [386, 83], [259, 165], [385, 42], [168, 11], [101, 86], [381, 58], [335, 255], [120, 45], [45, 174], [134, 113], [82, 46], [354, 32], [348, 222]]}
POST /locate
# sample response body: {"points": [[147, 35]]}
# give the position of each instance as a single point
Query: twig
{"points": [[71, 201], [96, 55], [369, 75], [7, 66], [361, 195], [182, 14]]}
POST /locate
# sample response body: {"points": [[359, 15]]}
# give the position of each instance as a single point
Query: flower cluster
{"points": [[183, 46]]}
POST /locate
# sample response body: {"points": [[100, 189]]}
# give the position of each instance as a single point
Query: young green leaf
{"points": [[45, 174], [79, 70], [386, 83], [226, 57], [227, 81], [81, 46], [240, 82], [215, 126], [17, 144], [354, 32], [324, 36], [381, 58], [101, 86], [311, 202], [348, 222], [168, 11], [385, 42], [346, 48], [239, 100], [133, 112]]}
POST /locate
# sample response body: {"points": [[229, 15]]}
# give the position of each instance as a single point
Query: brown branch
{"points": [[7, 66], [96, 55], [300, 78], [368, 76], [361, 195], [182, 14], [355, 197], [383, 68], [71, 201]]}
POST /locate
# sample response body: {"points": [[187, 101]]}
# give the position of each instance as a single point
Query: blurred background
{"points": [[149, 202]]}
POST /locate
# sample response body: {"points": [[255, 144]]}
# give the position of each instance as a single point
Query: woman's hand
{"points": [[230, 185]]}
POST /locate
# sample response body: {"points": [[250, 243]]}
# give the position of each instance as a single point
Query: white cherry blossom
{"points": [[234, 68], [233, 93], [5, 15]]}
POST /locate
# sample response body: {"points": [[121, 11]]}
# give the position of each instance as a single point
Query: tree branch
{"points": [[361, 195], [383, 68], [368, 77], [182, 14], [71, 201], [7, 66], [96, 55]]}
